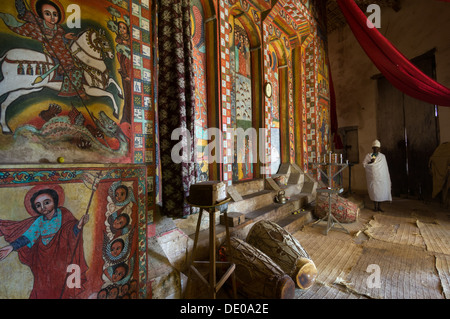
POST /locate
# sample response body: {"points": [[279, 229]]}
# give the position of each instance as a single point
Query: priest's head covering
{"points": [[376, 143]]}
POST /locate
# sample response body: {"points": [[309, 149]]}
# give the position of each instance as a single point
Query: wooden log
{"points": [[257, 276], [285, 250]]}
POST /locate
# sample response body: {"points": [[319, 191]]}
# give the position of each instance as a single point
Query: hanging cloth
{"points": [[175, 104], [397, 69]]}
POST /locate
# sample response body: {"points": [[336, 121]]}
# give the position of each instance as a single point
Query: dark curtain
{"points": [[333, 115], [175, 103], [397, 69]]}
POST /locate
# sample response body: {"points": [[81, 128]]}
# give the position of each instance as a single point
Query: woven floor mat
{"points": [[320, 291], [395, 229], [436, 236], [443, 267], [402, 207], [333, 258], [405, 272], [336, 232]]}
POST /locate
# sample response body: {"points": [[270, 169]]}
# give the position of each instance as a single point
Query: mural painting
{"points": [[324, 102], [241, 101], [65, 81], [273, 101], [201, 119], [72, 233]]}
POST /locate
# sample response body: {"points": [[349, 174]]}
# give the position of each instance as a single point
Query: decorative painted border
{"points": [[143, 77]]}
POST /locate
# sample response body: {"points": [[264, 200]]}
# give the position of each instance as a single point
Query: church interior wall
{"points": [[84, 128], [51, 140]]}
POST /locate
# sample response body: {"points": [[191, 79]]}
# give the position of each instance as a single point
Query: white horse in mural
{"points": [[90, 50]]}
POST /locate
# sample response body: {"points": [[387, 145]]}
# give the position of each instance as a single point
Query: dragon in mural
{"points": [[71, 128]]}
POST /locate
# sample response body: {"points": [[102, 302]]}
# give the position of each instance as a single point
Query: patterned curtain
{"points": [[175, 103]]}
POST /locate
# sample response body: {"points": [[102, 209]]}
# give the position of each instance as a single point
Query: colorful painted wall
{"points": [[201, 114], [289, 52], [77, 117], [238, 48], [83, 90]]}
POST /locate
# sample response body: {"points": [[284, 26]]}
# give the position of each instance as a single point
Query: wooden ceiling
{"points": [[335, 19]]}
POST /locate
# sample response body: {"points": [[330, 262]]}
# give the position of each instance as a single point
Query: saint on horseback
{"points": [[72, 65], [44, 25]]}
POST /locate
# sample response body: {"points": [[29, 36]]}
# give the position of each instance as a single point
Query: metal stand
{"points": [[331, 220], [349, 191], [212, 284]]}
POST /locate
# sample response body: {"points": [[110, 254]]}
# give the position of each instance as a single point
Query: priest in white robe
{"points": [[377, 175]]}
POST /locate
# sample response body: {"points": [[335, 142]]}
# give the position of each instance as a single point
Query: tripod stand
{"points": [[331, 220]]}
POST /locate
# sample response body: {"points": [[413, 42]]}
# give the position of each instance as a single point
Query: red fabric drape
{"points": [[397, 69]]}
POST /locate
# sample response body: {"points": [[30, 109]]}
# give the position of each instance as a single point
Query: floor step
{"points": [[255, 199], [248, 203], [297, 220], [249, 187], [276, 211], [252, 201]]}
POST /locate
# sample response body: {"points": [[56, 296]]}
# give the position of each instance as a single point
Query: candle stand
{"points": [[331, 220]]}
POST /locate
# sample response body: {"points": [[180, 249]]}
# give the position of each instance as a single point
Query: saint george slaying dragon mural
{"points": [[65, 81], [76, 230]]}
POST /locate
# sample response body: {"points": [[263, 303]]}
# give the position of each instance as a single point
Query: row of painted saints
{"points": [[52, 240], [69, 65], [117, 243]]}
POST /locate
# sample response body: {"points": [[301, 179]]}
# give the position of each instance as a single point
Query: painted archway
{"points": [[244, 38], [198, 38], [277, 62]]}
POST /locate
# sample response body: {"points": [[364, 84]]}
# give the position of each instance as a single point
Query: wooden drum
{"points": [[257, 276], [285, 251]]}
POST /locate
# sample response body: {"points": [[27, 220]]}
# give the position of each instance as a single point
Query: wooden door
{"points": [[408, 131]]}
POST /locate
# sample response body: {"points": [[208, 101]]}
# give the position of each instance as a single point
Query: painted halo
{"points": [[27, 200], [54, 2]]}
